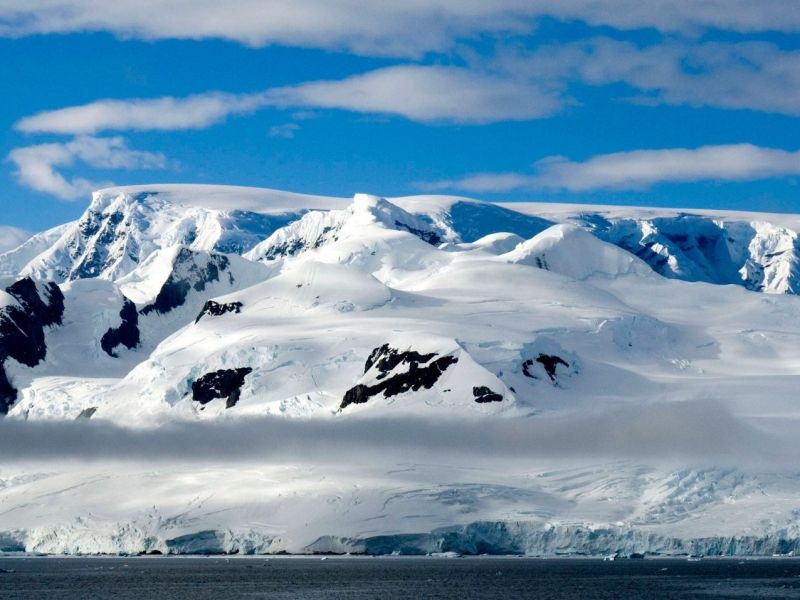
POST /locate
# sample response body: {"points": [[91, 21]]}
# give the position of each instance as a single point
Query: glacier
{"points": [[234, 370]]}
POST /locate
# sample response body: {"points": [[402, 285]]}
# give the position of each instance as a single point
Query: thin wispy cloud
{"points": [[637, 169], [511, 86], [742, 75], [11, 237], [155, 114], [285, 131], [37, 166], [427, 94]]}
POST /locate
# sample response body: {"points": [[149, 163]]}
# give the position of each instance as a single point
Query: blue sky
{"points": [[604, 102]]}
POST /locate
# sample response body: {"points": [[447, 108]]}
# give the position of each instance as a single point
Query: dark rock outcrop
{"points": [[431, 237], [225, 383], [86, 413], [217, 309], [549, 361], [186, 275], [8, 393], [484, 394], [48, 308], [22, 329], [127, 334], [423, 371], [386, 358]]}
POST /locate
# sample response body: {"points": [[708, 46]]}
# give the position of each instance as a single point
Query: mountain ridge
{"points": [[304, 378]]}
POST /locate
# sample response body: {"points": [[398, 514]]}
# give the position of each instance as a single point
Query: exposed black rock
{"points": [[484, 394], [8, 393], [87, 413], [431, 237], [549, 361], [216, 309], [22, 329], [356, 395], [225, 383], [21, 336], [186, 274], [127, 334], [48, 310], [385, 359], [526, 369]]}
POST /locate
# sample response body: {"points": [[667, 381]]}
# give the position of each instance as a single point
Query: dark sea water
{"points": [[394, 577]]}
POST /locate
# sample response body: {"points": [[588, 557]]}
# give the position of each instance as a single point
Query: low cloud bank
{"points": [[699, 432]]}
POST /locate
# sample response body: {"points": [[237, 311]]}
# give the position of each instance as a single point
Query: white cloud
{"points": [[418, 93], [426, 94], [37, 165], [11, 237], [642, 168], [285, 130], [379, 27], [481, 182], [743, 75], [509, 86], [639, 169], [167, 113]]}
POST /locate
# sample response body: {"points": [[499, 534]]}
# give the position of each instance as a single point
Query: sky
{"points": [[690, 104]]}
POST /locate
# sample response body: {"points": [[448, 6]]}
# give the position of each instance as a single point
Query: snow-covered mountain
{"points": [[282, 372], [757, 251], [122, 227]]}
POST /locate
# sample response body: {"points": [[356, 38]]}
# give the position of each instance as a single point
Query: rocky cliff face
{"points": [[27, 309]]}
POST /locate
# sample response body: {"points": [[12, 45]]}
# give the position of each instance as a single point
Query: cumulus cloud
{"points": [[11, 237], [37, 165], [380, 27], [638, 169]]}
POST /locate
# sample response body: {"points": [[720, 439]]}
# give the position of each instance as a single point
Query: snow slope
{"points": [[572, 251], [755, 250], [414, 375]]}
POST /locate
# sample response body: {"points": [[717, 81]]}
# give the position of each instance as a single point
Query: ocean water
{"points": [[217, 578]]}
